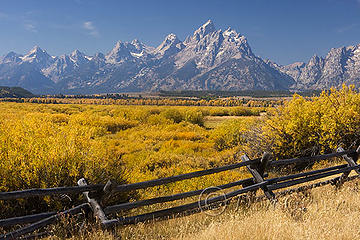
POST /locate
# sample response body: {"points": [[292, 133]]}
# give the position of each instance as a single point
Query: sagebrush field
{"points": [[48, 145]]}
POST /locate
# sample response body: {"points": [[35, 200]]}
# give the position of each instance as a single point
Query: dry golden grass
{"points": [[323, 213]]}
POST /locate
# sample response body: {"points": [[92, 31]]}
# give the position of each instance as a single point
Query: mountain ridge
{"points": [[208, 59]]}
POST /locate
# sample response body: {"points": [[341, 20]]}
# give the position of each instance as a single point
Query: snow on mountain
{"points": [[170, 46], [119, 53], [208, 59], [127, 51], [38, 56], [339, 66], [209, 47], [79, 58], [11, 57]]}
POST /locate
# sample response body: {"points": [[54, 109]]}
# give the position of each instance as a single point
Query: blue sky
{"points": [[284, 31]]}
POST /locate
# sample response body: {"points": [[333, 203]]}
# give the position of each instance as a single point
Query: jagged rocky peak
{"points": [[38, 56], [232, 36], [118, 46], [170, 39], [128, 50], [205, 29], [36, 49], [79, 57], [119, 53], [170, 46], [297, 65], [293, 70], [354, 50], [99, 55], [36, 52], [209, 47], [11, 57], [77, 53], [238, 41], [315, 59], [138, 45]]}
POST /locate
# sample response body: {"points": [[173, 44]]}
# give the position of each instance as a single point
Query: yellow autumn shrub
{"points": [[314, 125], [51, 145]]}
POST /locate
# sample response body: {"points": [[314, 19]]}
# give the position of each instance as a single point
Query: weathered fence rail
{"points": [[156, 182], [256, 167]]}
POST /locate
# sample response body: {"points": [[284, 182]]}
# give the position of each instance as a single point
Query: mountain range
{"points": [[209, 59]]}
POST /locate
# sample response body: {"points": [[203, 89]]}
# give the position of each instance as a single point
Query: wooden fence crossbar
{"points": [[304, 174], [312, 158], [179, 209], [151, 201], [25, 219], [311, 178], [162, 181], [49, 191], [32, 227]]}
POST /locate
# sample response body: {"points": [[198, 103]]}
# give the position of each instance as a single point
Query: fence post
{"points": [[254, 170], [95, 206], [351, 163], [107, 191]]}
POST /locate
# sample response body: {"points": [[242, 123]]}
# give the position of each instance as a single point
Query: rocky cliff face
{"points": [[209, 59], [340, 66]]}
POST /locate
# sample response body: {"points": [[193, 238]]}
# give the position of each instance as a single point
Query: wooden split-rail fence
{"points": [[257, 167]]}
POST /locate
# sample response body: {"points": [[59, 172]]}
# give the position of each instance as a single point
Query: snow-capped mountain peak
{"points": [[77, 53], [205, 29], [38, 56], [119, 53], [140, 47], [11, 57], [137, 44], [170, 46], [237, 41], [233, 35], [35, 52], [124, 51], [78, 57]]}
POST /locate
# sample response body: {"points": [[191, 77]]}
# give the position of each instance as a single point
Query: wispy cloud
{"points": [[348, 27], [25, 21], [92, 30], [30, 26]]}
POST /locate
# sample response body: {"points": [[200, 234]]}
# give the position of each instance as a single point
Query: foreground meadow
{"points": [[323, 213], [49, 145]]}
